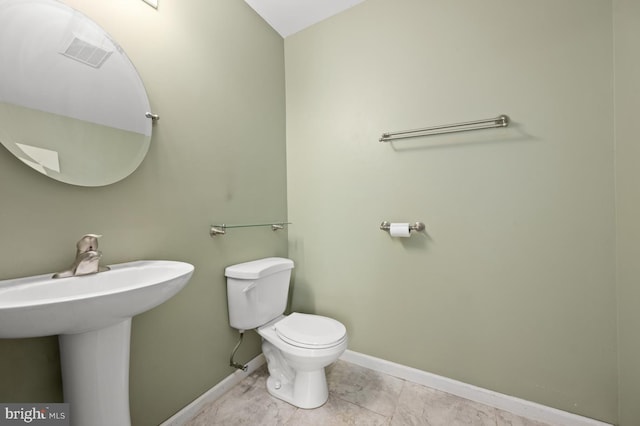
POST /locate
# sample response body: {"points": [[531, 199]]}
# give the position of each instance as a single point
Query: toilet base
{"points": [[304, 388], [308, 390], [296, 374]]}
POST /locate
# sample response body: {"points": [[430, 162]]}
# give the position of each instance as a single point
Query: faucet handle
{"points": [[88, 242]]}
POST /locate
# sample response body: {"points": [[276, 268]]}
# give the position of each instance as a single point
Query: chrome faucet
{"points": [[87, 258]]}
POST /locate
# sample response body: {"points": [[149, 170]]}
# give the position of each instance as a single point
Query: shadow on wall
{"points": [[304, 296], [417, 241], [301, 296]]}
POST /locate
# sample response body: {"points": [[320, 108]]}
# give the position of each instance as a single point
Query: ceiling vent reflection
{"points": [[85, 52]]}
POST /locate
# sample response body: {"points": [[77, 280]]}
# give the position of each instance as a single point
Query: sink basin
{"points": [[43, 306], [92, 316]]}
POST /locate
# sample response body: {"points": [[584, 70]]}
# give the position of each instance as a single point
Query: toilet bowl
{"points": [[298, 346]]}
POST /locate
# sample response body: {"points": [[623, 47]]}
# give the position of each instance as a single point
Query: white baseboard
{"points": [[190, 411], [508, 403]]}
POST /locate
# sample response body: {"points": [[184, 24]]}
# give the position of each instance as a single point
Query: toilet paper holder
{"points": [[418, 226]]}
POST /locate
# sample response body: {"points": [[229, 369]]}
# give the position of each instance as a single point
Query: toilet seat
{"points": [[310, 331]]}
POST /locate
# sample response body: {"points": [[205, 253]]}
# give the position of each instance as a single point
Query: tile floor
{"points": [[357, 396]]}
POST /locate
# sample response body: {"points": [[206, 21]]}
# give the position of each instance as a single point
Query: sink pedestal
{"points": [[95, 375]]}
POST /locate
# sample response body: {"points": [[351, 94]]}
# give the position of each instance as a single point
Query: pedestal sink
{"points": [[92, 316]]}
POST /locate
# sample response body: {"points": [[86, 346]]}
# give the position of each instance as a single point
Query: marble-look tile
{"points": [[505, 418], [410, 408], [357, 396], [337, 412], [364, 387], [422, 406], [442, 408], [248, 403]]}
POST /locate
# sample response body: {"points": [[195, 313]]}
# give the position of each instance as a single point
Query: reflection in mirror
{"points": [[152, 3], [72, 105]]}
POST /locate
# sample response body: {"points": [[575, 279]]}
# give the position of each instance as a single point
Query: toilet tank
{"points": [[257, 291]]}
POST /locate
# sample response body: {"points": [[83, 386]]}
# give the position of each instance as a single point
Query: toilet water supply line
{"points": [[234, 364]]}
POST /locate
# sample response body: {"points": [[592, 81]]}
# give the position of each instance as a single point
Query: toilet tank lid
{"points": [[258, 268]]}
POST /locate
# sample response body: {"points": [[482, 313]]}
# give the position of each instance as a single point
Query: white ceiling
{"points": [[290, 16]]}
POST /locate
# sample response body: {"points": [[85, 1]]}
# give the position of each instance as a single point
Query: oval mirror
{"points": [[72, 105]]}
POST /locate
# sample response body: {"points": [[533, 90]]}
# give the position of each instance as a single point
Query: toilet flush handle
{"points": [[249, 287]]}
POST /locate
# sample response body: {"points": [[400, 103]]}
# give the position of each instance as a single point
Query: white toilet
{"points": [[298, 346]]}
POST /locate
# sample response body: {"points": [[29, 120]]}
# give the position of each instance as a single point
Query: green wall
{"points": [[627, 96], [214, 71], [513, 286]]}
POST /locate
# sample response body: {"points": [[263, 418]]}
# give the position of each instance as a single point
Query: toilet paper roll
{"points": [[399, 230]]}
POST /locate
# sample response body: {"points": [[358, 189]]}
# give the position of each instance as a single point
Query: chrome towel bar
{"points": [[490, 123]]}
